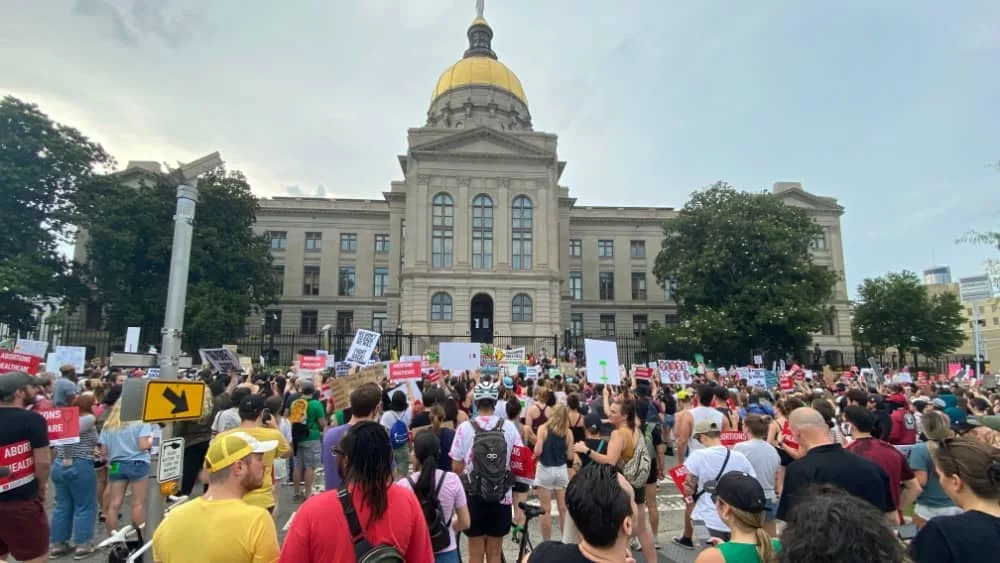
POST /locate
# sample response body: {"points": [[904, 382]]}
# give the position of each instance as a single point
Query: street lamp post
{"points": [[817, 356], [913, 346]]}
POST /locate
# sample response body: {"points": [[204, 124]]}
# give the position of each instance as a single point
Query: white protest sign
{"points": [[362, 347], [132, 339], [152, 373], [758, 359], [459, 356], [221, 359], [75, 356], [602, 361], [171, 460], [328, 359], [31, 347], [531, 372]]}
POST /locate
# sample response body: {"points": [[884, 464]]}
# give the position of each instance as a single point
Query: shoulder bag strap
{"points": [[437, 493], [722, 469], [361, 545]]}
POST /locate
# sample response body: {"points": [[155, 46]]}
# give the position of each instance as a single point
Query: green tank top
{"points": [[743, 552]]}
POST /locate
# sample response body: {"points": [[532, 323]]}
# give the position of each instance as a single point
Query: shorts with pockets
{"points": [[129, 470], [308, 454], [491, 519], [551, 478], [25, 530]]}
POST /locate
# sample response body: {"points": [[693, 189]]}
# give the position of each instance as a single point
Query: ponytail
{"points": [[755, 521], [427, 449]]}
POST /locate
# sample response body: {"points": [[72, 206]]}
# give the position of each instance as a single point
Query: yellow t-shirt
{"points": [[263, 497], [191, 531]]}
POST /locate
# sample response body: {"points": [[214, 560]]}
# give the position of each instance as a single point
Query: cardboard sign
{"points": [[679, 475], [403, 371], [786, 383], [341, 387], [642, 372], [731, 438], [12, 361], [19, 458], [523, 463], [312, 363], [64, 425]]}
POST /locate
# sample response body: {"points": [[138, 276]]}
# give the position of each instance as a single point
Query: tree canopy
{"points": [[130, 238], [44, 166], [895, 310], [744, 276]]}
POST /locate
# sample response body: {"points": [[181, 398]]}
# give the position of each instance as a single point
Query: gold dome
{"points": [[479, 71]]}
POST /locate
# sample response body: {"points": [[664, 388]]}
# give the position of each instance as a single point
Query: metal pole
{"points": [[173, 324], [975, 333]]}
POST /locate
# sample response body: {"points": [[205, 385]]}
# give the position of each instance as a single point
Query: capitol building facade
{"points": [[478, 238]]}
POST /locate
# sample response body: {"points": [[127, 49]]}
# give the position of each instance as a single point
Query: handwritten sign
{"points": [[64, 425]]}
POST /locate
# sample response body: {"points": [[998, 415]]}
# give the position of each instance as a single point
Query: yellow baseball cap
{"points": [[227, 449], [683, 394]]}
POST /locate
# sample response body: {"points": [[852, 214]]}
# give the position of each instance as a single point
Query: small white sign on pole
{"points": [[171, 460], [362, 347], [132, 339], [75, 356], [602, 361]]}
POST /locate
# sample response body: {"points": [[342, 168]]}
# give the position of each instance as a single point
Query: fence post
{"points": [[409, 345]]}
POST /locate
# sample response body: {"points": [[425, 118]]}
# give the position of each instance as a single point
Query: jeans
{"points": [[76, 502], [447, 557]]}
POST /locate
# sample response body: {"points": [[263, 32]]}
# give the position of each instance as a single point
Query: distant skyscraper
{"points": [[937, 276]]}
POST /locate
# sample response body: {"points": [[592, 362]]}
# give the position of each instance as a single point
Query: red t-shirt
{"points": [[889, 459], [320, 533]]}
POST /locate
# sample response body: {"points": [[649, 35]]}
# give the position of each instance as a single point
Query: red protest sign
{"points": [[12, 361], [679, 475], [401, 371], [434, 376], [786, 383], [19, 459], [731, 438], [312, 363], [522, 463], [64, 425], [643, 373]]}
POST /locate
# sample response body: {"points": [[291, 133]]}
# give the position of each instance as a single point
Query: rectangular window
{"points": [[830, 327], [638, 286], [310, 280], [381, 281], [996, 321], [272, 321], [819, 241], [278, 275], [381, 244], [309, 322], [640, 324], [606, 282], [348, 242], [576, 285], [346, 285], [279, 239], [575, 247], [637, 248], [482, 233], [605, 249], [345, 322], [576, 324], [607, 325], [379, 319], [314, 242]]}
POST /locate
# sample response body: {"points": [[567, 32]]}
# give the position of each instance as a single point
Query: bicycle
{"points": [[524, 541], [127, 544]]}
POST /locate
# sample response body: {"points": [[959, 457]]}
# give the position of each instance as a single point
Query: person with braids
{"points": [[436, 488], [969, 472], [831, 526], [740, 501], [320, 530]]}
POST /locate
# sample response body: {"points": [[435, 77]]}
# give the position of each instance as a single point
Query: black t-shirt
{"points": [[557, 551], [21, 432], [836, 466], [970, 537]]}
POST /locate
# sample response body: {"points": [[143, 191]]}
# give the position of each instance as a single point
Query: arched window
{"points": [[482, 233], [520, 230], [441, 307], [521, 309], [442, 230]]}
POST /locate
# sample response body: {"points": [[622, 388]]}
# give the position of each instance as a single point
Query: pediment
{"points": [[804, 199], [482, 140]]}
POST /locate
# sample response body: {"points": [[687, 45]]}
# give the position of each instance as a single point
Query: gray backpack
{"points": [[490, 478]]}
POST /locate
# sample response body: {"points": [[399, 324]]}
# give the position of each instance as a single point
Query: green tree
{"points": [[43, 168], [744, 276], [130, 239], [895, 311]]}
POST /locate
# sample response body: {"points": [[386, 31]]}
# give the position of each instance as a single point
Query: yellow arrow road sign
{"points": [[167, 401]]}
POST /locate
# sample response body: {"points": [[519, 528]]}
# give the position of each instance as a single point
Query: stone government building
{"points": [[480, 239]]}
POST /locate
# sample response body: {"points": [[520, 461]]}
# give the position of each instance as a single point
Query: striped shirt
{"points": [[84, 449]]}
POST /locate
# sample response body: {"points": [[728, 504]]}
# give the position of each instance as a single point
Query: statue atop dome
{"points": [[479, 8]]}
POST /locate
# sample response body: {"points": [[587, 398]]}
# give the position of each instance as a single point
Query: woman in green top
{"points": [[740, 500]]}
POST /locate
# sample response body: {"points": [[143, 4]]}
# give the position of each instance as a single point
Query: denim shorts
{"points": [[770, 511], [131, 471]]}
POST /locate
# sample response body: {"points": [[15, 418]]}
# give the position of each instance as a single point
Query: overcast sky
{"points": [[891, 107]]}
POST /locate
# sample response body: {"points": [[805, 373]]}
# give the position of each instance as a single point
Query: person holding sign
{"points": [[75, 479]]}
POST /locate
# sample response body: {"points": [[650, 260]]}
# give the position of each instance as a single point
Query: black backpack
{"points": [[490, 478], [364, 552], [434, 515]]}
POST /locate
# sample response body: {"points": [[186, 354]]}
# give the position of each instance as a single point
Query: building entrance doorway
{"points": [[481, 322]]}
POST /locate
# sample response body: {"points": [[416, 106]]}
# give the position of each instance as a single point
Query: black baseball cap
{"points": [[592, 422], [740, 491], [251, 407], [12, 381]]}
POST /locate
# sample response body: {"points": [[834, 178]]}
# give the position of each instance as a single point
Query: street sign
{"points": [[975, 288], [167, 401], [171, 460]]}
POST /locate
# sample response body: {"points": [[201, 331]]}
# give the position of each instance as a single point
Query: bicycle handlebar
{"points": [[121, 535]]}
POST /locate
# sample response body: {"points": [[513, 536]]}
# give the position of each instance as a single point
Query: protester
{"points": [[235, 462], [24, 441], [322, 531], [252, 423], [740, 502], [229, 418], [65, 387], [593, 440], [75, 480], [602, 503], [829, 525], [308, 439], [555, 443], [396, 421], [933, 501], [126, 445], [440, 494], [366, 401], [969, 473], [765, 462]]}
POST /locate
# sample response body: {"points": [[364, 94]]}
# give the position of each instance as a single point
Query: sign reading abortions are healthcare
{"points": [[13, 361], [64, 425], [19, 458]]}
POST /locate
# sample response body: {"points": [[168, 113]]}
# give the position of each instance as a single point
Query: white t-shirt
{"points": [[461, 447], [390, 417], [705, 464], [501, 409]]}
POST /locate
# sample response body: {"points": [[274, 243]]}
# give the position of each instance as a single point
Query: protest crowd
{"points": [[397, 460]]}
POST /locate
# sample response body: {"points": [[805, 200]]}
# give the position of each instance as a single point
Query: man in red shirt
{"points": [[885, 456]]}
